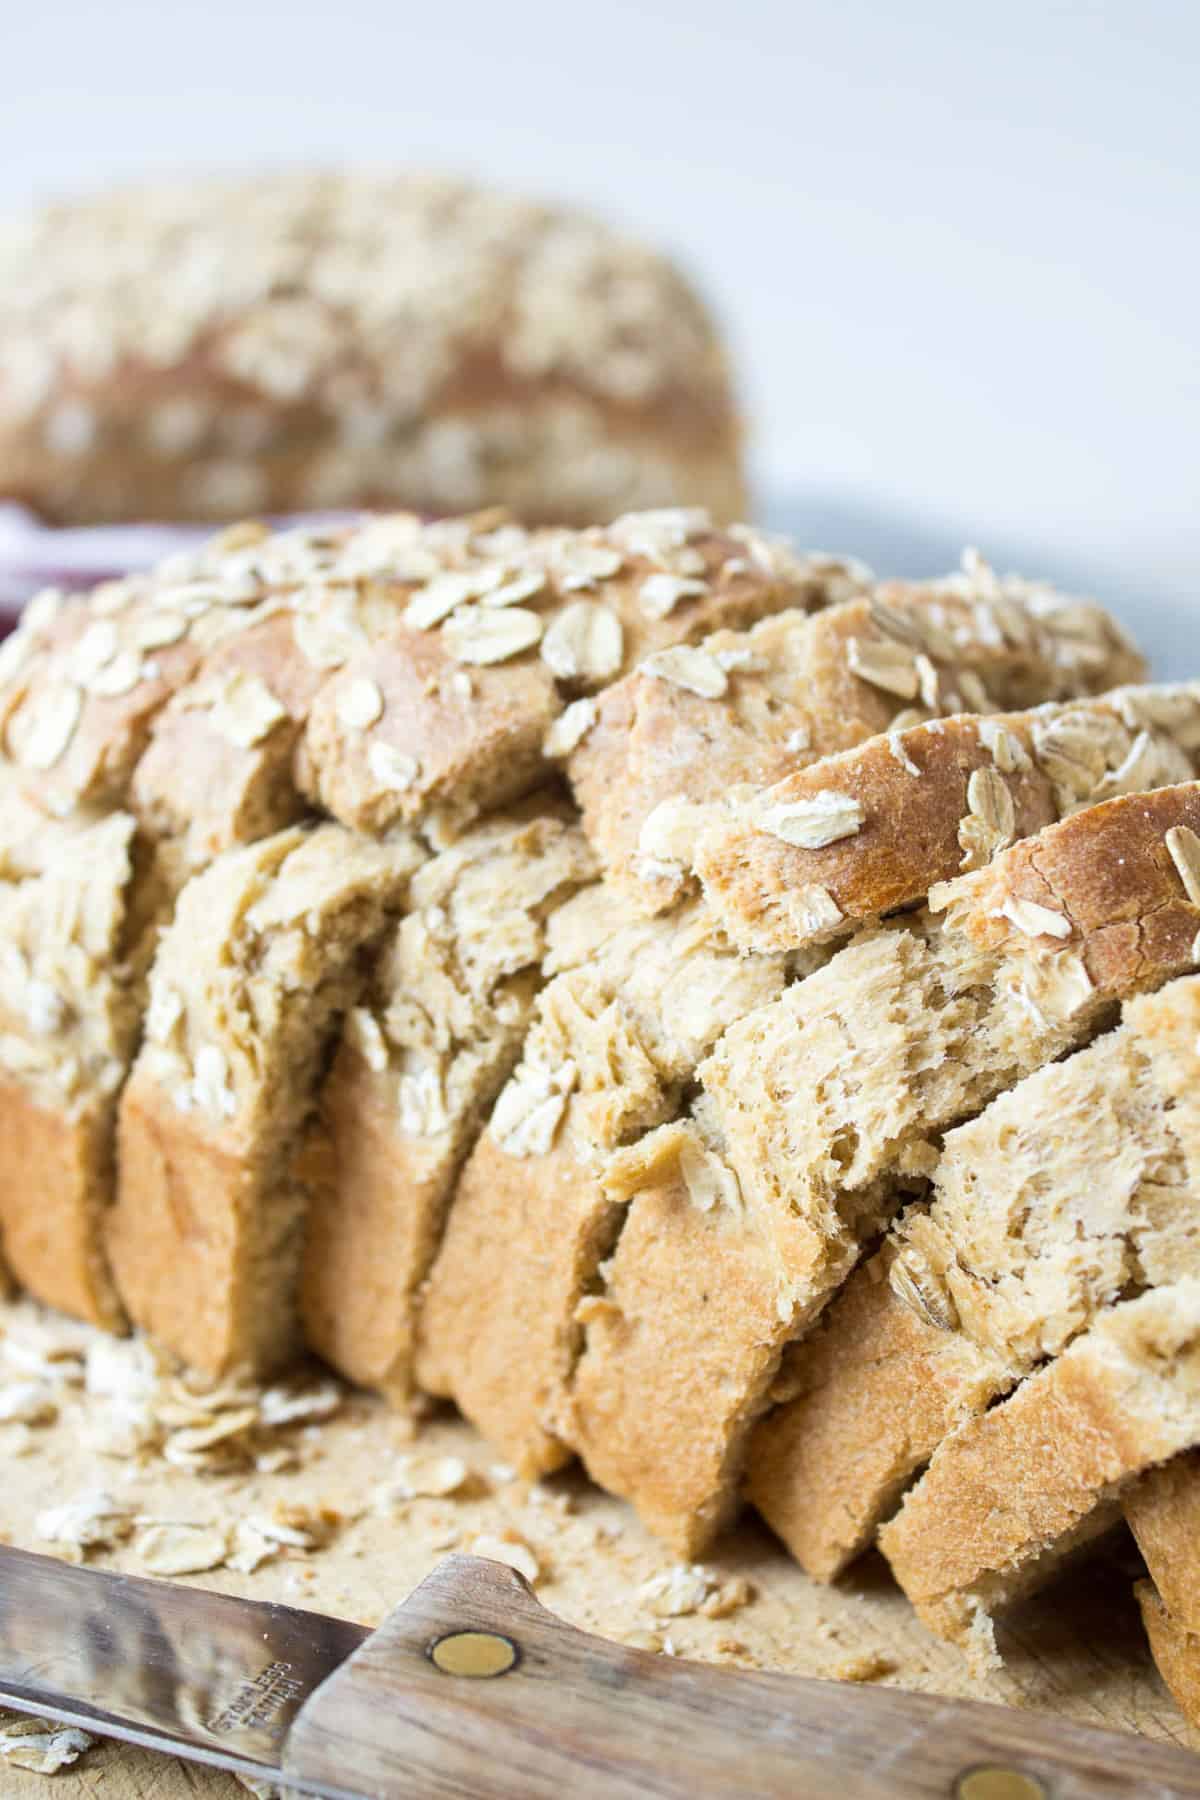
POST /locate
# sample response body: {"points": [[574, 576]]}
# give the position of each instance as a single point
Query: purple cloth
{"points": [[33, 555]]}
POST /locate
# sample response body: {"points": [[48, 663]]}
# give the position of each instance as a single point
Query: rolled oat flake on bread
{"points": [[662, 761], [934, 799]]}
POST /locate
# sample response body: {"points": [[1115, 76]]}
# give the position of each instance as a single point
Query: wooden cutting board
{"points": [[1077, 1650]]}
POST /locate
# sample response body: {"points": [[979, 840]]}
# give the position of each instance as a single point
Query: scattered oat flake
{"points": [[54, 718], [174, 1548], [360, 704], [473, 634], [570, 728], [118, 677], [27, 1403], [297, 1527], [812, 823], [40, 1745], [729, 1598], [93, 1520], [689, 668], [677, 1591], [659, 594], [393, 769], [1033, 920], [1184, 848], [285, 1405], [431, 1475], [868, 1665], [584, 642], [520, 587], [250, 1548], [513, 1551]]}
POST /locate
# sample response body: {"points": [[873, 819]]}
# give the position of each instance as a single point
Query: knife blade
{"points": [[206, 1676], [471, 1691]]}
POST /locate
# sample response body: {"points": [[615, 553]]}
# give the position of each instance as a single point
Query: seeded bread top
{"points": [[427, 662], [355, 313], [876, 827], [747, 709]]}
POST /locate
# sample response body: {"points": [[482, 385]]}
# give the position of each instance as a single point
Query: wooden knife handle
{"points": [[472, 1690]]}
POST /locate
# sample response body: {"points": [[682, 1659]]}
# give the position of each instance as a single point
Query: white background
{"points": [[956, 243]]}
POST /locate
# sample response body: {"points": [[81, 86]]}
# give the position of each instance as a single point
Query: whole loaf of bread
{"points": [[309, 341]]}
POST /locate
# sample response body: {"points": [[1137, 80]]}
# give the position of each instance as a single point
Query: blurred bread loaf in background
{"points": [[319, 340]]}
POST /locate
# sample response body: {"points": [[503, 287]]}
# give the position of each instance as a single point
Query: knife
{"points": [[471, 1690]]}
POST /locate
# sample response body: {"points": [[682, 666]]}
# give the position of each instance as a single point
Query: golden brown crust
{"points": [[55, 1178], [79, 904], [476, 734], [1059, 1196], [263, 958], [1110, 872], [504, 1346], [800, 691], [1006, 1494], [334, 340], [687, 1316], [374, 1219], [820, 1109], [178, 1238], [1175, 1648], [1163, 1512], [917, 814], [614, 1041], [426, 662], [439, 1030], [199, 779], [878, 1390]]}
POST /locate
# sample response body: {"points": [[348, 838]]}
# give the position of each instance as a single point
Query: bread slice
{"points": [[1007, 1496], [264, 956], [614, 1042], [873, 829], [820, 1111], [77, 907], [437, 1033], [1163, 1509], [796, 689], [1175, 1648], [1163, 1512], [1070, 1191]]}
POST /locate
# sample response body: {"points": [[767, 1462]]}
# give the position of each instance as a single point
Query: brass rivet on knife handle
{"points": [[993, 1782], [478, 1654]]}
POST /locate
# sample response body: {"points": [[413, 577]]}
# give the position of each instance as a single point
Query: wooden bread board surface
{"points": [[1077, 1650]]}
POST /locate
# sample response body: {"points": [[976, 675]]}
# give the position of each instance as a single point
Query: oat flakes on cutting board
{"points": [[309, 1494]]}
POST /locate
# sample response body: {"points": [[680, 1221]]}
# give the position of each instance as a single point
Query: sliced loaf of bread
{"points": [[820, 1111], [1072, 1190]]}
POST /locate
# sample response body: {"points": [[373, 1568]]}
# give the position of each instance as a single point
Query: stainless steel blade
{"points": [[207, 1676]]}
